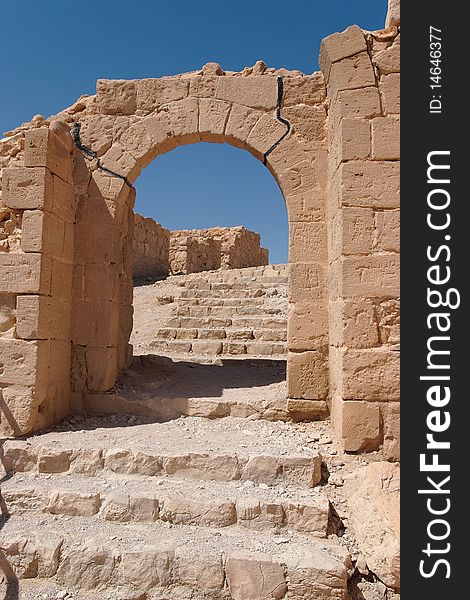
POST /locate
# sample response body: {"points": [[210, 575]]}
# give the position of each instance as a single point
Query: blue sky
{"points": [[54, 50]]}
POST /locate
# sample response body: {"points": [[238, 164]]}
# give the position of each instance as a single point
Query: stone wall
{"points": [[150, 246], [237, 248], [363, 82], [66, 270], [193, 254]]}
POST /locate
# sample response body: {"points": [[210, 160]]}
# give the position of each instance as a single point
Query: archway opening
{"points": [[210, 294]]}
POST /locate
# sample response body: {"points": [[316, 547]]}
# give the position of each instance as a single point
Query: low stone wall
{"points": [[151, 245], [190, 254], [239, 248]]}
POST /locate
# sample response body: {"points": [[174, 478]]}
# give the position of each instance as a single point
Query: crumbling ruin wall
{"points": [[67, 273], [190, 254], [238, 248], [150, 247]]}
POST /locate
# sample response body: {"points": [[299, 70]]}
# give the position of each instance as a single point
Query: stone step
{"points": [[224, 311], [274, 322], [191, 448], [218, 347], [173, 561], [210, 504], [244, 292], [229, 333], [222, 301]]}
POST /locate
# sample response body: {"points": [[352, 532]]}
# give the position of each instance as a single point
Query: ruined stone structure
{"points": [[193, 254], [150, 248], [231, 501], [330, 139], [237, 247]]}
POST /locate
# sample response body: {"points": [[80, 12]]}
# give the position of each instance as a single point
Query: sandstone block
{"points": [[262, 469], [307, 242], [73, 504], [191, 511], [310, 89], [353, 232], [256, 92], [386, 138], [266, 132], [307, 326], [361, 103], [388, 60], [42, 317], [353, 323], [213, 116], [24, 362], [388, 317], [87, 461], [52, 460], [119, 160], [388, 230], [240, 123], [307, 281], [43, 148], [19, 456], [27, 188], [203, 466], [390, 91], [373, 276], [308, 122], [298, 179], [254, 579], [350, 73], [352, 141], [121, 506], [147, 567], [307, 375], [152, 93], [116, 96], [341, 45], [370, 183], [148, 137], [358, 425], [199, 572], [391, 418], [203, 87], [127, 462], [206, 347], [306, 410], [88, 567], [42, 232], [308, 518], [183, 116], [375, 519], [257, 514], [318, 574], [371, 374], [393, 14]]}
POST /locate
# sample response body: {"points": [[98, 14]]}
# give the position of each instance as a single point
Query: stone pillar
{"points": [[363, 217], [36, 359]]}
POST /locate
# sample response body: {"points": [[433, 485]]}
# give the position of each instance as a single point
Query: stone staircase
{"points": [[228, 312], [188, 509]]}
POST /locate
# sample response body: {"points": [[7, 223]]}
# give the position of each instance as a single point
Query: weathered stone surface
{"points": [[251, 580], [386, 138], [88, 568], [255, 92], [390, 91], [73, 504], [393, 14], [374, 506], [116, 96], [337, 46]]}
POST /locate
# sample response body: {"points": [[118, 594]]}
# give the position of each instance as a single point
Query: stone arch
{"points": [[134, 124]]}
